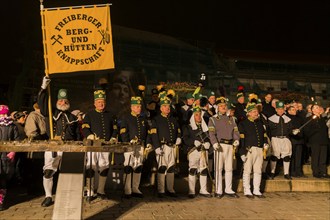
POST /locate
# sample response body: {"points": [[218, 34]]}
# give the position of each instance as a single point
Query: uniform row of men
{"points": [[210, 128]]}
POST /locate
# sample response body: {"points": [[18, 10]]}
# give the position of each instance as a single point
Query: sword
{"points": [[177, 154], [129, 161], [159, 162], [113, 158], [308, 122], [206, 159], [234, 152]]}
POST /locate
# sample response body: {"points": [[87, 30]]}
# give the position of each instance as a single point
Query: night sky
{"points": [[298, 27], [302, 27]]}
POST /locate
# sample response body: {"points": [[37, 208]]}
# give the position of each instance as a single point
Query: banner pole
{"points": [[51, 131]]}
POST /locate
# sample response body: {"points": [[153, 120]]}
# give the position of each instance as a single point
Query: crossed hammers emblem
{"points": [[56, 40]]}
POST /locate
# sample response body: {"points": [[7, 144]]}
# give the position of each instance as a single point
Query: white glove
{"points": [[133, 141], [91, 137], [236, 143], [266, 146], [295, 131], [159, 151], [216, 146], [197, 143], [178, 141], [206, 145], [113, 140], [243, 158], [148, 148], [45, 82]]}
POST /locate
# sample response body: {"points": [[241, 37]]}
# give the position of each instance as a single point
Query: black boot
{"points": [[47, 202]]}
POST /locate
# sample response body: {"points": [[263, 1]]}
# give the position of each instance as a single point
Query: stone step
{"points": [[279, 184], [307, 169]]}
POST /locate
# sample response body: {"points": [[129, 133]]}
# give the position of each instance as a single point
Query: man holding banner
{"points": [[76, 39], [65, 129]]}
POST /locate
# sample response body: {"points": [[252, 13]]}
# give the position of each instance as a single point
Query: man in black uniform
{"points": [[297, 142], [253, 140], [165, 134], [98, 124], [317, 139], [65, 128], [134, 129]]}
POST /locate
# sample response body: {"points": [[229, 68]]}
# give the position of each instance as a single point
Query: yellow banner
{"points": [[77, 39]]}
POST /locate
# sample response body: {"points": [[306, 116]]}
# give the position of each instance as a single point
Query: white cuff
{"points": [[91, 137], [178, 141], [236, 143], [206, 145], [197, 143], [243, 158]]}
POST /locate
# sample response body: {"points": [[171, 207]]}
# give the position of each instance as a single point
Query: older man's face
{"points": [[63, 104], [253, 114], [280, 111], [222, 108], [165, 109], [136, 109], [99, 104]]}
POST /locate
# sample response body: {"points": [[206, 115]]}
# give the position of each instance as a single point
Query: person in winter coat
{"points": [[8, 132]]}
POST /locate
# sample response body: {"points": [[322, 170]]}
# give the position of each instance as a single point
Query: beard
{"points": [[63, 107]]}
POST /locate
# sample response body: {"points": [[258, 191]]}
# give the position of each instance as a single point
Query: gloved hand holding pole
{"points": [[296, 131]]}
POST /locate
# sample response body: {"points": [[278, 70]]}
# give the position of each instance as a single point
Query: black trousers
{"points": [[319, 159], [296, 160]]}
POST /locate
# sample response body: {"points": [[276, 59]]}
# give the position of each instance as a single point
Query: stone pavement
{"points": [[276, 205]]}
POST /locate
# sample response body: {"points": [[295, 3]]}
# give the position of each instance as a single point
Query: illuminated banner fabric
{"points": [[77, 39]]}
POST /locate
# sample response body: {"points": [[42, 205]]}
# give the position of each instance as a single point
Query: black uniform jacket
{"points": [[190, 135], [134, 126], [102, 124], [252, 134], [316, 131], [164, 130], [65, 124], [297, 121], [279, 126]]}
